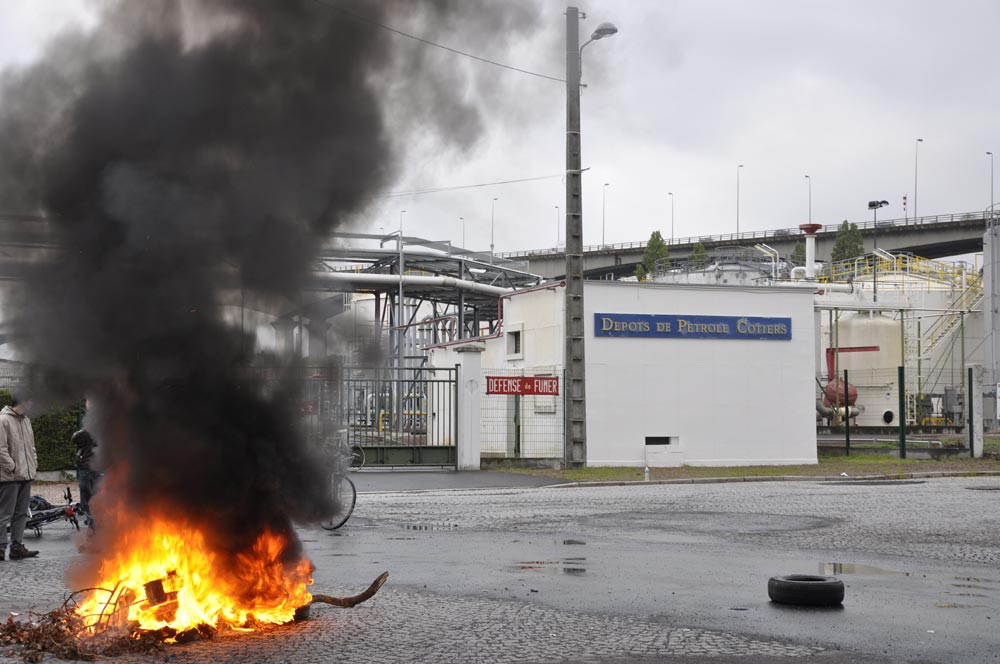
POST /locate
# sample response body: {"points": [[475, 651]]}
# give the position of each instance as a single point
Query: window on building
{"points": [[514, 344]]}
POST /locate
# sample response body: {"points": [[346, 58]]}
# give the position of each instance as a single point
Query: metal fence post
{"points": [[847, 416], [972, 444], [902, 412]]}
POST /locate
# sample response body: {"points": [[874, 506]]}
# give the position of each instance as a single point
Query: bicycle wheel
{"points": [[357, 458], [344, 497]]}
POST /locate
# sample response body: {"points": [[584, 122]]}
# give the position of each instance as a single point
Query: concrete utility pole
{"points": [[576, 401], [575, 454]]}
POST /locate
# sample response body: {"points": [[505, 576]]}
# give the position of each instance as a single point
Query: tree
{"points": [[799, 253], [656, 248], [849, 243], [698, 258]]}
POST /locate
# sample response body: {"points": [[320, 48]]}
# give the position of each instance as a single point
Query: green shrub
{"points": [[53, 430]]}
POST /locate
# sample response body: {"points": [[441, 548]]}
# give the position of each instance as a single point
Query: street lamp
{"points": [[399, 309], [809, 180], [400, 330], [991, 182], [558, 219], [575, 452], [462, 219], [738, 198], [671, 195], [493, 210], [916, 155], [874, 206], [604, 208]]}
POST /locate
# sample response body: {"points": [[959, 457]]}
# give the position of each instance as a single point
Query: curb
{"points": [[860, 479]]}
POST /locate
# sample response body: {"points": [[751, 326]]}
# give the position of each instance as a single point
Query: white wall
{"points": [[721, 401], [538, 317]]}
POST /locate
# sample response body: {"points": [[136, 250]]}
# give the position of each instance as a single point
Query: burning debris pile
{"points": [[188, 155], [69, 632]]}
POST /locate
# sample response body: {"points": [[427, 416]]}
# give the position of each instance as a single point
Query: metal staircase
{"points": [[922, 346]]}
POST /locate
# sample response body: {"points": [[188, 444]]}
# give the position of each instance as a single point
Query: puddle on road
{"points": [[974, 579], [950, 605], [965, 583], [570, 566], [573, 542], [835, 569], [430, 526]]}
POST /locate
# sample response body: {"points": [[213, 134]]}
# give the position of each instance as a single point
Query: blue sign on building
{"points": [[679, 326]]}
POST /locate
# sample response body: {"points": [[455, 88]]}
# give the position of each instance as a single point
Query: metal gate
{"points": [[399, 417], [519, 421]]}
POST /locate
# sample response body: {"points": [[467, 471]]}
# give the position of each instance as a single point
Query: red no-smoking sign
{"points": [[527, 385]]}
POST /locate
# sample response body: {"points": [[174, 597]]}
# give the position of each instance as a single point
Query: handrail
{"points": [[779, 234]]}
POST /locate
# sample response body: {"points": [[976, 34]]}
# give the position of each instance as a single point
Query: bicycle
{"points": [[41, 513], [357, 458], [344, 493]]}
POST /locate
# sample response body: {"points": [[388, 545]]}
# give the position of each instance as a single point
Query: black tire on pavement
{"points": [[344, 497], [806, 590]]}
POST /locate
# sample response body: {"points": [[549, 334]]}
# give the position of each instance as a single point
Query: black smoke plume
{"points": [[188, 149]]}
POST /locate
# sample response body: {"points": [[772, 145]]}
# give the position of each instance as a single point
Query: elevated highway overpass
{"points": [[929, 237]]}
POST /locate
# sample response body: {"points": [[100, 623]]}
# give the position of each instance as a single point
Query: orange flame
{"points": [[162, 574]]}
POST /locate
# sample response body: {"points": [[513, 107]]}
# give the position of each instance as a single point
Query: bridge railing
{"points": [[773, 234]]}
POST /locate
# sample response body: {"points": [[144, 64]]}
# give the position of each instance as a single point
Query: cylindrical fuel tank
{"points": [[864, 329]]}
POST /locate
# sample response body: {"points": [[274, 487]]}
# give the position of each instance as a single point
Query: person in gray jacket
{"points": [[18, 463]]}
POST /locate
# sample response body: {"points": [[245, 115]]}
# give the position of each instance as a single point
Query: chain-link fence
{"points": [[520, 420]]}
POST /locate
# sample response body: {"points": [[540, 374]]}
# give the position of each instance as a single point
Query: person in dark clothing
{"points": [[86, 475]]}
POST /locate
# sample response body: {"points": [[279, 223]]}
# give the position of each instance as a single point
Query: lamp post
{"points": [[738, 198], [493, 210], [575, 453], [916, 156], [671, 195], [809, 180], [990, 154], [557, 226], [400, 333], [399, 308], [874, 206], [462, 219], [604, 208]]}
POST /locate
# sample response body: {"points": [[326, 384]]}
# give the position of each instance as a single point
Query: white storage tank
{"points": [[874, 372]]}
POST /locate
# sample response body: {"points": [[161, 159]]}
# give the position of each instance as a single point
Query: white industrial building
{"points": [[676, 374]]}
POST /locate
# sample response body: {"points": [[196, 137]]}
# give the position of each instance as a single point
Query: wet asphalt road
{"points": [[641, 573]]}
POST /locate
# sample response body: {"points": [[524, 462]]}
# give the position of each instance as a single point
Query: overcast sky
{"points": [[687, 90]]}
